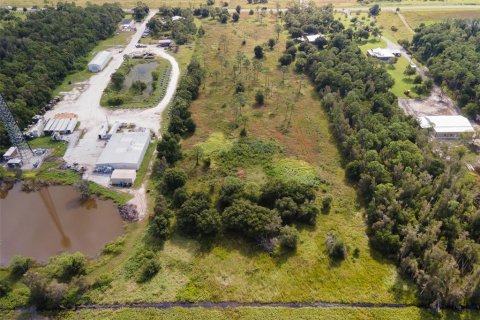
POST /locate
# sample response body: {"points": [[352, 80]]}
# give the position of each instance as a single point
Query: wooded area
{"points": [[421, 209], [38, 53]]}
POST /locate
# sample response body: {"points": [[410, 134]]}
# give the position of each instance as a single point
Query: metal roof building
{"points": [[446, 127], [100, 60], [125, 150], [383, 54], [123, 177]]}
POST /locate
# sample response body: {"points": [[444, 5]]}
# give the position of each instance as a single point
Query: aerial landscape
{"points": [[250, 159]]}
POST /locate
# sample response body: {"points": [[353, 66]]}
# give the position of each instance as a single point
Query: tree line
{"points": [[422, 210], [450, 50], [37, 54]]}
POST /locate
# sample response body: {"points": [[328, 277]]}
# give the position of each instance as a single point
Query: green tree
{"points": [[173, 178], [258, 50], [169, 147], [118, 78]]}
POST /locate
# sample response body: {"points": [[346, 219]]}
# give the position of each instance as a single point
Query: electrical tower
{"points": [[14, 133]]}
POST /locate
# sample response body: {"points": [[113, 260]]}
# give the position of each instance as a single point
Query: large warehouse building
{"points": [[100, 61], [446, 127], [124, 150]]}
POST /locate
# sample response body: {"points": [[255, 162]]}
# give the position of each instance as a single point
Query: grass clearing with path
{"points": [[415, 18]]}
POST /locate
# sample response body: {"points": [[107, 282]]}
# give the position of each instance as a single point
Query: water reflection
{"points": [[47, 222]]}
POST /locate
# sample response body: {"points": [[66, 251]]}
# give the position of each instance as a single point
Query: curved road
{"points": [[85, 102]]}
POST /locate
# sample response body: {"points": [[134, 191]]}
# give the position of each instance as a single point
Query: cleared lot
{"points": [[436, 104]]}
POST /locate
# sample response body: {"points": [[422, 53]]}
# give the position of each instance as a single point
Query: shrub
{"points": [[148, 270], [259, 98], [115, 247], [196, 217], [327, 203], [335, 247], [235, 17], [169, 147], [239, 87], [288, 238], [230, 190], [115, 101], [251, 220], [20, 265], [418, 79], [103, 282], [173, 178], [258, 50], [285, 59], [5, 287], [66, 266], [271, 43], [179, 197], [159, 227]]}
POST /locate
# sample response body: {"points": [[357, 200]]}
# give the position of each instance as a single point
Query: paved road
{"points": [[85, 102]]}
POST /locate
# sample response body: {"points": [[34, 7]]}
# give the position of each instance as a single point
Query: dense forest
{"points": [[451, 51], [38, 53], [421, 210]]}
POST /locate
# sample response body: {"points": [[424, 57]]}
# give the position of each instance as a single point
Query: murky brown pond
{"points": [[53, 220]]}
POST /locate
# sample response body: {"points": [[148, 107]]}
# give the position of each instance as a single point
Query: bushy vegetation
{"points": [[420, 208], [182, 30], [54, 44], [450, 50], [140, 11]]}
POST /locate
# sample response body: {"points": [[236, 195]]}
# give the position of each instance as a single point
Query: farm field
{"points": [[415, 18]]}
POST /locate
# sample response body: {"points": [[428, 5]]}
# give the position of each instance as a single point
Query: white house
{"points": [[312, 37], [446, 127], [100, 61], [383, 54]]}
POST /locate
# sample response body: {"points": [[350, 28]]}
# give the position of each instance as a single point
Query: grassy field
{"points": [[415, 18], [132, 99], [231, 269], [248, 313], [387, 19], [142, 171]]}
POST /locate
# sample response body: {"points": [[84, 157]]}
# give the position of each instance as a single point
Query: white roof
{"points": [[382, 53], [313, 37], [124, 174], [175, 18], [100, 58], [446, 123], [10, 151], [125, 148]]}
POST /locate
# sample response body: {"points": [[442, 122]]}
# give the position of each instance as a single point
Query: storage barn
{"points": [[11, 153], [446, 127], [123, 177], [100, 61], [62, 126], [124, 150]]}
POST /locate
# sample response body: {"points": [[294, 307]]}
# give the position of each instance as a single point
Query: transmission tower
{"points": [[14, 133]]}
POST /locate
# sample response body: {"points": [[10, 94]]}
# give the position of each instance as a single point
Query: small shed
{"points": [[12, 152], [100, 61], [15, 163], [165, 43], [123, 177]]}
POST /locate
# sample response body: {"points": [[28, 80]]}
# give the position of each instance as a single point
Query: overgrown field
{"points": [[255, 314], [289, 138]]}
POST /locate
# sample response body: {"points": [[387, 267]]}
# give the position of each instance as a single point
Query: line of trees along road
{"points": [[451, 51], [422, 211], [38, 53]]}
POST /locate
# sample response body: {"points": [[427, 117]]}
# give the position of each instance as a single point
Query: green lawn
{"points": [[402, 82]]}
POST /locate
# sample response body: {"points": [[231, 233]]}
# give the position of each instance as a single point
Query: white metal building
{"points": [[312, 37], [446, 127], [123, 177], [100, 60], [383, 54], [124, 150], [62, 125], [10, 154]]}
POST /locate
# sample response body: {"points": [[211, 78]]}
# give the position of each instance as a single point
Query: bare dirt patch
{"points": [[437, 104]]}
